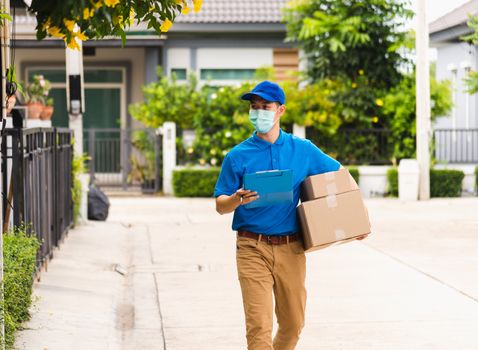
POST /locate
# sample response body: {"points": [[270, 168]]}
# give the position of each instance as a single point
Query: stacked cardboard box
{"points": [[332, 210]]}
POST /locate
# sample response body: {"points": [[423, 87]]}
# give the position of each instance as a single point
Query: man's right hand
{"points": [[227, 204], [245, 196]]}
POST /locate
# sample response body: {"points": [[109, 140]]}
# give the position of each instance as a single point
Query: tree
{"points": [[95, 19], [399, 106], [357, 45], [471, 81], [343, 38]]}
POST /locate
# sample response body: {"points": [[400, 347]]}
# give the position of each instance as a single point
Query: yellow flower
{"points": [[69, 24], [87, 13], [81, 36], [361, 72], [379, 102], [197, 5], [117, 20], [166, 25], [73, 45], [374, 119], [46, 24], [132, 14], [55, 31], [354, 85], [186, 10], [112, 3], [97, 4]]}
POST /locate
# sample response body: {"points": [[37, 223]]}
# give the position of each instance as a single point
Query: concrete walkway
{"points": [[160, 274]]}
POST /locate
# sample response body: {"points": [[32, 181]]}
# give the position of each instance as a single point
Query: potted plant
{"points": [[141, 173], [47, 109], [37, 92]]}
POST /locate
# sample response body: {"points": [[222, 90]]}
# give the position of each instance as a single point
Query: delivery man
{"points": [[270, 255]]}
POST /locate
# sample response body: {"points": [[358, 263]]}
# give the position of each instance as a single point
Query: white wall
{"points": [[234, 58], [450, 65], [219, 58], [133, 55], [178, 58]]}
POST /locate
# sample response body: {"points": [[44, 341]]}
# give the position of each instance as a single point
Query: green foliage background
{"points": [[443, 182], [195, 182], [19, 254]]}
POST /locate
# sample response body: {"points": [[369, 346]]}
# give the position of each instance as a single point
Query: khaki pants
{"points": [[264, 270]]}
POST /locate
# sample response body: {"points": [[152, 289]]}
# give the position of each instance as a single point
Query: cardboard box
{"points": [[334, 182], [337, 215]]}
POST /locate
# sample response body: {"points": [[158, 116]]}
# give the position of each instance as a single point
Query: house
{"points": [[222, 44], [456, 134]]}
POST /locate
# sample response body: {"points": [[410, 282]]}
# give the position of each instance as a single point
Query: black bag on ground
{"points": [[98, 204]]}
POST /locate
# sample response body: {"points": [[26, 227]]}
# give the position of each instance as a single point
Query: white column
{"points": [[76, 107], [423, 101], [169, 156], [298, 130], [74, 66]]}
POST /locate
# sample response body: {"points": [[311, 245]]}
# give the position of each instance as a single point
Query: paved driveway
{"points": [[413, 284]]}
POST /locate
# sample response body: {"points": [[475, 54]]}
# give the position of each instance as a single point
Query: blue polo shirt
{"points": [[255, 154]]}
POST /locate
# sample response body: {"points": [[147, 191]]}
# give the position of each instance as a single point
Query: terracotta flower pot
{"points": [[12, 100], [34, 110], [46, 113]]}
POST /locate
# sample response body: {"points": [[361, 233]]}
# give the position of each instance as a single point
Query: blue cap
{"points": [[267, 90]]}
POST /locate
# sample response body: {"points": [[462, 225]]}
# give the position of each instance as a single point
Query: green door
{"points": [[101, 122]]}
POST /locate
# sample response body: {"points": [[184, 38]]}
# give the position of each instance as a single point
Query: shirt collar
{"points": [[263, 143]]}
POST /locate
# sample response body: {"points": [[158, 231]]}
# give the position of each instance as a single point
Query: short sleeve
{"points": [[319, 162], [229, 180]]}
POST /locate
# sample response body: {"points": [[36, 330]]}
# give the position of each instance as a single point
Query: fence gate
{"points": [[124, 158]]}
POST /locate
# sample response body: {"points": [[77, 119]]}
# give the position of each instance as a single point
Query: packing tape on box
{"points": [[331, 201], [329, 176], [331, 188], [340, 234]]}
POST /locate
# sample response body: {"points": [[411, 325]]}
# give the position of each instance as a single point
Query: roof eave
{"points": [[450, 34], [228, 28]]}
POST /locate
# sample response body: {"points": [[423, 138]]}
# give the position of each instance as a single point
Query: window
{"points": [[91, 75], [227, 74], [180, 73]]}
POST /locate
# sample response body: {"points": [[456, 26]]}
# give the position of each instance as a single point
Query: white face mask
{"points": [[262, 120]]}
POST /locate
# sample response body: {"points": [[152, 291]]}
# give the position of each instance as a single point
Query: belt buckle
{"points": [[269, 239]]}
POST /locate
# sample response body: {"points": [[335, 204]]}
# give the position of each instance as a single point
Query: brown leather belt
{"points": [[269, 239]]}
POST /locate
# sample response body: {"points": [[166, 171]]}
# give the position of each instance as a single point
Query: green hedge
{"points": [[355, 173], [443, 182], [195, 182], [19, 253], [392, 181], [476, 180]]}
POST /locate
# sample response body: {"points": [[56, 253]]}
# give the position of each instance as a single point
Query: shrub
{"points": [[392, 181], [19, 252], [355, 173], [78, 168], [195, 182], [445, 182], [476, 180]]}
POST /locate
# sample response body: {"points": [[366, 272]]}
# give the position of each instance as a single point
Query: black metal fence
{"points": [[37, 183], [356, 146], [456, 145], [124, 158]]}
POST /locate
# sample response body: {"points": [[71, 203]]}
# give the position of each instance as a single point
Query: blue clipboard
{"points": [[272, 186]]}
